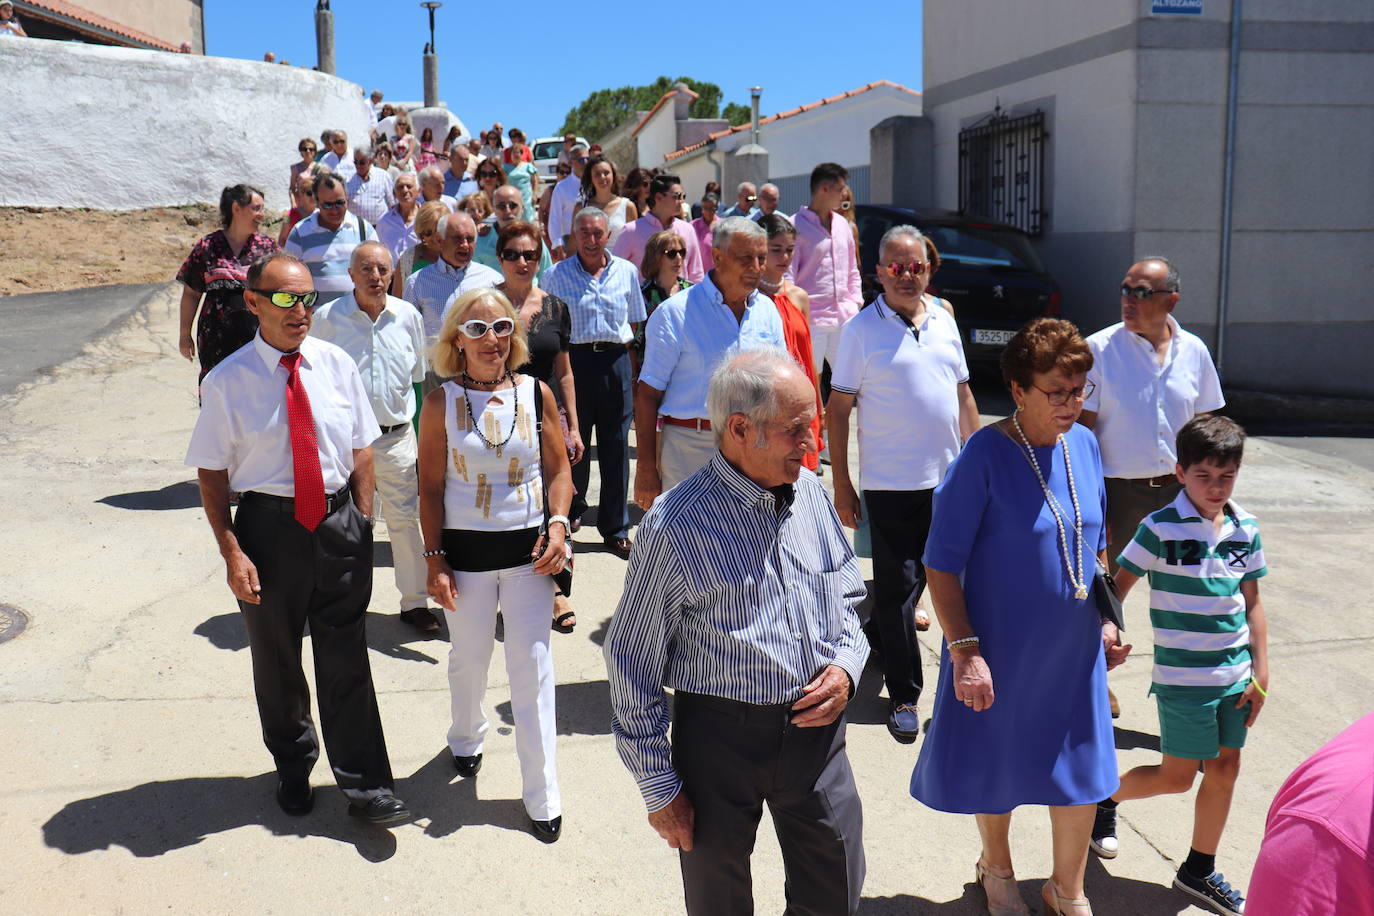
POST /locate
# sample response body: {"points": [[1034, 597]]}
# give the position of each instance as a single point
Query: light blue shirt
{"points": [[690, 333], [458, 188], [602, 308], [327, 252], [430, 288]]}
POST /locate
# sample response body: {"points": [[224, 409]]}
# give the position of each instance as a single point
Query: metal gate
{"points": [[1002, 170]]}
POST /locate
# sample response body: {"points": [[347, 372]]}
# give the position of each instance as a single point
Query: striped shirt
{"points": [[602, 308], [327, 252], [725, 595], [370, 199], [1202, 637], [430, 288]]}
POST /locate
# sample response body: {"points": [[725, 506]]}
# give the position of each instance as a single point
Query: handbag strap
{"points": [[539, 389]]}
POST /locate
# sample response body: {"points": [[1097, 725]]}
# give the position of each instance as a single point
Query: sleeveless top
{"points": [[493, 489], [615, 222]]}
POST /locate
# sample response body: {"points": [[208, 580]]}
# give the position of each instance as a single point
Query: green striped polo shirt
{"points": [[1202, 638]]}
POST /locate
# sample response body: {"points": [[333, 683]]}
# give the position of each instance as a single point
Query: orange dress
{"points": [[796, 330]]}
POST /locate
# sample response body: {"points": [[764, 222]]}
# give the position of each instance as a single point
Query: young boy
{"points": [[1211, 669]]}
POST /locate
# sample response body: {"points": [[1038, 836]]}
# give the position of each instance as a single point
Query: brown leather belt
{"points": [[1163, 480], [700, 425]]}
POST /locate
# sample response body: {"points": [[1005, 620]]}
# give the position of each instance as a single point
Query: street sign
{"points": [[1176, 7]]}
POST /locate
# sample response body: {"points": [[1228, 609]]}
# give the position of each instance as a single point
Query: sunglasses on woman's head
{"points": [[284, 300], [476, 328], [510, 254]]}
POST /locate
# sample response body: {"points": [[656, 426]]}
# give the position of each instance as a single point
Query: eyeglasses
{"points": [[752, 198], [1061, 397], [584, 159], [476, 329], [510, 254], [899, 270], [333, 204], [680, 196], [1143, 292], [508, 205], [284, 300], [305, 149], [675, 253], [487, 173]]}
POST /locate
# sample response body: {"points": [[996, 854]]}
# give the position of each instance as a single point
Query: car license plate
{"points": [[996, 338]]}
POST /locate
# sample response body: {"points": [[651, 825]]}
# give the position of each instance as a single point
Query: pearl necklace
{"points": [[1080, 584], [769, 288]]}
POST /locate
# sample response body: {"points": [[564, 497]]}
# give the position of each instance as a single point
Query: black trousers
{"points": [[324, 577], [1128, 502], [604, 408], [899, 522], [733, 757]]}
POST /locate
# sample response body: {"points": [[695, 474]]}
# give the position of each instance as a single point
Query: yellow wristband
{"points": [[1256, 684]]}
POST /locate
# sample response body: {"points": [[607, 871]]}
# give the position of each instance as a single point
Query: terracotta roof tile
{"points": [[70, 11], [711, 138]]}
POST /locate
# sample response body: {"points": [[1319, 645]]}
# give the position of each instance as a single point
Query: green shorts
{"points": [[1197, 729]]}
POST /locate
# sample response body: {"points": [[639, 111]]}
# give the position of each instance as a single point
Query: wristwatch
{"points": [[562, 520]]}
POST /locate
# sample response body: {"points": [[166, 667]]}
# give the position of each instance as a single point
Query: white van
{"points": [[545, 151]]}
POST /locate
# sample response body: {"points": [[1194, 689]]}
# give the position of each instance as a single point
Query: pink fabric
{"points": [[635, 236], [703, 231], [1317, 857], [826, 266]]}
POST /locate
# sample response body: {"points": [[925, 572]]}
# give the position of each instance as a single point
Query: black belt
{"points": [[1163, 480], [751, 714], [392, 429], [600, 346], [332, 501]]}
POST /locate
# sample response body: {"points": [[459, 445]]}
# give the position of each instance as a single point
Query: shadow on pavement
{"points": [[158, 817], [385, 634], [582, 709], [1109, 894], [431, 793], [183, 495]]}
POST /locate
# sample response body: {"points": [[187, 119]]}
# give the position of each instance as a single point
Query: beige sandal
{"points": [[1065, 906], [1004, 897]]}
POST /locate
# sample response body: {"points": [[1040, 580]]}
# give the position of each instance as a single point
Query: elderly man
{"points": [[458, 182], [396, 228], [325, 239], [474, 156], [605, 305], [369, 190], [376, 99], [769, 196], [509, 207], [430, 288], [740, 596], [337, 158], [563, 202], [431, 179], [1149, 377], [686, 337], [665, 208], [902, 360], [284, 421], [746, 202], [387, 341]]}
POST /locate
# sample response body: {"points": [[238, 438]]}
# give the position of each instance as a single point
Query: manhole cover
{"points": [[12, 622]]}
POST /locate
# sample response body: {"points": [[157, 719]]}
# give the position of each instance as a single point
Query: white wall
{"points": [[117, 128], [658, 137]]}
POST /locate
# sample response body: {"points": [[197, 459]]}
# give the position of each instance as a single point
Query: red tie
{"points": [[305, 452]]}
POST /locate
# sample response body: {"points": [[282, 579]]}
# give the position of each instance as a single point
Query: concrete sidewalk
{"points": [[139, 782]]}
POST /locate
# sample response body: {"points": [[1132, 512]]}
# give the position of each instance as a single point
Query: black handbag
{"points": [[562, 578], [1107, 598]]}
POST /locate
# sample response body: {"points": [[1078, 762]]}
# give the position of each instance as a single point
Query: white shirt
{"points": [[907, 393], [1141, 405], [430, 288], [390, 352], [340, 165], [370, 199], [243, 426], [561, 204]]}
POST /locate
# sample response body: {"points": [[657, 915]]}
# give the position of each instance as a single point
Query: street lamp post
{"points": [[431, 60]]}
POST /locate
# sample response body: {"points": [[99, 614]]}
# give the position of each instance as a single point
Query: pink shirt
{"points": [[826, 266], [635, 236], [1317, 857], [703, 232]]}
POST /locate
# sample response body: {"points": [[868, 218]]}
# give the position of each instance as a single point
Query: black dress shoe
{"points": [[295, 796], [421, 618], [384, 809], [547, 831], [467, 766], [619, 546]]}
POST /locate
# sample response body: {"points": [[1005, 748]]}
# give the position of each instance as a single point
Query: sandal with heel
{"points": [[1064, 906], [1004, 897]]}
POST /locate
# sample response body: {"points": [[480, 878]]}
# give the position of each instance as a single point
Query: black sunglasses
{"points": [[510, 254], [488, 173], [1142, 292], [333, 204]]}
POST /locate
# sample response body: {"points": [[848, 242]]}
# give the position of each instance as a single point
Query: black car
{"points": [[989, 272]]}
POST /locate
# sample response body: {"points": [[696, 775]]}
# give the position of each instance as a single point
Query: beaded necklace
{"points": [[1080, 584], [515, 402]]}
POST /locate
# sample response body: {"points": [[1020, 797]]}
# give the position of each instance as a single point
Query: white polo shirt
{"points": [[243, 426], [1141, 405], [906, 391], [390, 352]]}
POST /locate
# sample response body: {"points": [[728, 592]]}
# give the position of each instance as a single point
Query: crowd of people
{"points": [[434, 330]]}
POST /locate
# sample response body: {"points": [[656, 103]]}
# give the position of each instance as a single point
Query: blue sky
{"points": [[485, 74]]}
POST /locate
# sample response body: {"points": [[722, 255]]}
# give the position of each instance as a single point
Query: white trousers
{"points": [[682, 452], [526, 604], [825, 345], [398, 487]]}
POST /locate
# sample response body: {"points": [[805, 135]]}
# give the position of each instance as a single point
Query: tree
{"points": [[604, 110], [737, 114]]}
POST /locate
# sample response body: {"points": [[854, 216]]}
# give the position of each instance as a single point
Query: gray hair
{"points": [[407, 177], [587, 213], [1171, 281], [441, 230], [747, 383], [430, 173], [460, 144], [338, 132], [370, 243], [363, 151], [578, 148], [770, 185], [743, 185], [903, 231], [725, 230]]}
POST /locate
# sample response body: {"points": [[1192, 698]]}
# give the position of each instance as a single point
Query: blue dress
{"points": [[1047, 738]]}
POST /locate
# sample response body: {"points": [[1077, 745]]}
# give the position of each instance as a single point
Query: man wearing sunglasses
{"points": [[665, 212], [285, 422], [746, 203], [566, 195], [337, 159], [325, 239], [431, 288], [1151, 377], [508, 205]]}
